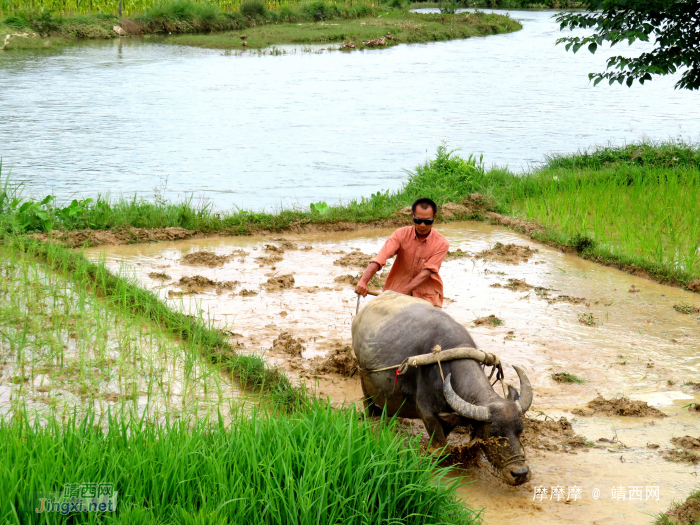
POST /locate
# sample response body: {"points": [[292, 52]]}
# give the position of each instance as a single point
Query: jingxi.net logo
{"points": [[78, 497]]}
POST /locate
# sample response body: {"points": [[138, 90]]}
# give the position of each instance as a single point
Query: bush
{"points": [[253, 9], [319, 11], [19, 22], [398, 4]]}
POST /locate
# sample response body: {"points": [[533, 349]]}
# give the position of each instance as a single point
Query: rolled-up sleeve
{"points": [[435, 259], [390, 248]]}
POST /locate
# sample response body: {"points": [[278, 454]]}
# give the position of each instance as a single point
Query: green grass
{"points": [[635, 207], [638, 205], [314, 467], [663, 519], [316, 22], [504, 4], [403, 26], [566, 377]]}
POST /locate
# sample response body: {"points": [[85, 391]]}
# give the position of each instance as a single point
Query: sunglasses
{"points": [[423, 221]]}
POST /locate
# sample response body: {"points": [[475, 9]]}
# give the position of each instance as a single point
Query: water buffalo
{"points": [[393, 327]]}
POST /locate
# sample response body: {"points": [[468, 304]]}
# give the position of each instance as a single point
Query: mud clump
{"points": [[201, 282], [287, 344], [247, 293], [279, 283], [197, 280], [695, 386], [355, 259], [680, 456], [507, 253], [269, 261], [686, 442], [686, 514], [348, 279], [587, 319], [377, 280], [516, 285], [687, 309], [551, 435], [205, 258], [568, 299], [457, 254], [490, 320], [340, 360], [159, 276], [452, 210], [694, 286], [622, 406], [87, 238], [271, 248]]}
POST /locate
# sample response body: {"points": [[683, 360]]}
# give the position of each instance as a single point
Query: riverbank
{"points": [[387, 28], [254, 26], [593, 203]]}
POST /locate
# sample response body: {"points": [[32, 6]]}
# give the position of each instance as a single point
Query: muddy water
{"points": [[639, 346]]}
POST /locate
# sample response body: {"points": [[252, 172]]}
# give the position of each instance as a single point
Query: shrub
{"points": [[319, 10], [253, 9]]}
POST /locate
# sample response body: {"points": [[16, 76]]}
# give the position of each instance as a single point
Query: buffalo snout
{"points": [[517, 474]]}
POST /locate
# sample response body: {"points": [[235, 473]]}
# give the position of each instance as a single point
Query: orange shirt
{"points": [[413, 255]]}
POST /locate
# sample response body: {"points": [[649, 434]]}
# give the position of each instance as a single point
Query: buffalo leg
{"points": [[434, 428], [449, 422]]}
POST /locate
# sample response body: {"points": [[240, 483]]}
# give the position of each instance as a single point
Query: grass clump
{"points": [[319, 466], [566, 377]]}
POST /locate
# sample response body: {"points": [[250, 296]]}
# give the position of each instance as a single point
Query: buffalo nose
{"points": [[520, 474]]}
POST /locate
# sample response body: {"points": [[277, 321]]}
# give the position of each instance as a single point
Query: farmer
{"points": [[419, 252]]}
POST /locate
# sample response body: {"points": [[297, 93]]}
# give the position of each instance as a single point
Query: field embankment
{"points": [[634, 207], [253, 25]]}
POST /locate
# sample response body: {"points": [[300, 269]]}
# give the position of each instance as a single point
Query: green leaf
{"points": [[592, 47]]}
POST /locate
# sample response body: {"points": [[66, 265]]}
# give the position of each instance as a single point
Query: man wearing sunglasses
{"points": [[419, 252]]}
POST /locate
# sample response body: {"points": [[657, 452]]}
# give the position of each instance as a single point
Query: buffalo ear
{"points": [[512, 393]]}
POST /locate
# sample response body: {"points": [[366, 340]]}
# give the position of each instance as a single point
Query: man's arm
{"points": [[419, 279], [390, 248]]}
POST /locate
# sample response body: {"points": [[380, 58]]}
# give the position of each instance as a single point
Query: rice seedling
{"points": [[314, 467], [63, 349], [123, 294]]}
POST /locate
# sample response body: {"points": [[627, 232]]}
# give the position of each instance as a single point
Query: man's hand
{"points": [[361, 289]]}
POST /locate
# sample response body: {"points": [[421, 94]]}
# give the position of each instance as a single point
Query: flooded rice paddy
{"points": [[63, 350], [619, 332], [131, 115]]}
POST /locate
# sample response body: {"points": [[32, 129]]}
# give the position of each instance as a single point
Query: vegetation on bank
{"points": [[402, 27], [633, 206], [313, 467], [302, 23], [500, 4]]}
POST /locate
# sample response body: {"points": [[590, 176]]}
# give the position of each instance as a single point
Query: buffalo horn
{"points": [[525, 390], [460, 406]]}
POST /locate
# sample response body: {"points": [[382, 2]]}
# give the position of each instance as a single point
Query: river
{"points": [[130, 115]]}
